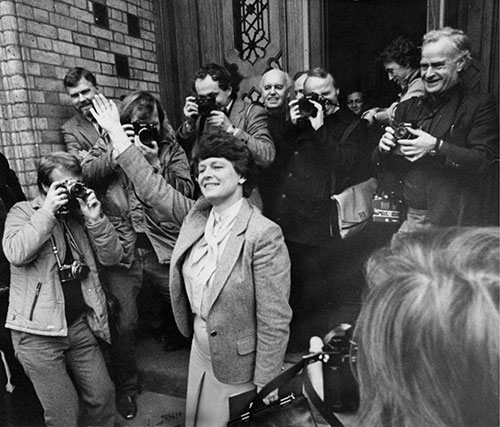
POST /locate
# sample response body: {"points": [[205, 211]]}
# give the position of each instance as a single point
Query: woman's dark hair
{"points": [[74, 75], [56, 160], [403, 52], [144, 103], [222, 144], [226, 77]]}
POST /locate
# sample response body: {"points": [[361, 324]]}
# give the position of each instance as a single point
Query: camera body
{"points": [[401, 131], [74, 190], [207, 104], [147, 133], [77, 270], [308, 109], [341, 392], [386, 208]]}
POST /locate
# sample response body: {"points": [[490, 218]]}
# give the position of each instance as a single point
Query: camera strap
{"points": [[73, 243]]}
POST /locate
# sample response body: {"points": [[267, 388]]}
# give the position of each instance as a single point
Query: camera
{"points": [[206, 104], [77, 270], [307, 108], [147, 133], [341, 392], [75, 190], [386, 208], [401, 131]]}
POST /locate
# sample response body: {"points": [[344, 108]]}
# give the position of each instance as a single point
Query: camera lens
{"points": [[147, 136], [77, 190]]}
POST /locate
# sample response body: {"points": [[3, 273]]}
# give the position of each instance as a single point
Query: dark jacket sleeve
{"points": [[98, 166]]}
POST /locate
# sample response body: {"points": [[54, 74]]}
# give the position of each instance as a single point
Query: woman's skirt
{"points": [[207, 400]]}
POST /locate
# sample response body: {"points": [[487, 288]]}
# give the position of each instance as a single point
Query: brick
{"points": [[37, 96], [120, 48], [93, 66], [132, 41], [146, 14], [12, 52], [82, 4], [48, 70], [117, 4], [136, 74], [83, 15], [27, 149], [66, 48], [25, 11], [131, 8], [103, 44], [117, 14], [47, 84], [28, 40], [148, 35], [8, 23], [20, 110], [118, 37], [137, 63], [44, 43], [23, 123], [17, 82], [101, 32], [41, 15], [41, 123], [8, 37], [17, 95], [45, 4], [104, 56], [65, 35], [87, 53], [7, 8], [148, 56], [85, 40], [135, 53], [68, 62], [61, 8], [83, 28], [149, 46], [115, 25], [52, 97], [108, 81], [107, 69], [44, 30], [61, 21], [14, 67], [45, 57]]}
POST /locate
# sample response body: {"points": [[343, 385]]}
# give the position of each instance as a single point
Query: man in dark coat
{"points": [[323, 159], [440, 168]]}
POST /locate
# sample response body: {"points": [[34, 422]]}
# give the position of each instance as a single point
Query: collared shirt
{"points": [[201, 261]]}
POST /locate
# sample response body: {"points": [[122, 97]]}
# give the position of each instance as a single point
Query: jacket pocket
{"points": [[246, 345], [35, 299]]}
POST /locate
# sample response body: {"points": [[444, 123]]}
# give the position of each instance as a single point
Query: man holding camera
{"points": [[325, 155], [216, 107], [57, 307], [81, 131], [439, 168], [147, 239]]}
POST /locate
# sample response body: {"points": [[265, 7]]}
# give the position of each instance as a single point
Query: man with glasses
{"points": [[436, 157]]}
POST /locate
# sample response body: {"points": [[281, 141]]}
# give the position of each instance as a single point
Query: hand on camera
{"points": [[190, 109], [56, 197], [387, 142], [90, 207], [317, 121], [294, 111], [417, 147]]}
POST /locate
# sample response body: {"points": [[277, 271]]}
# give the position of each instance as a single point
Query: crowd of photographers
{"points": [[106, 226]]}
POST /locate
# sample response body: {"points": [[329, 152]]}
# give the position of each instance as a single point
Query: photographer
{"points": [[57, 306], [325, 160], [216, 107], [147, 239], [438, 168]]}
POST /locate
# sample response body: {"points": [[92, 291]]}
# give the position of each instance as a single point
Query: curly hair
{"points": [[74, 75], [222, 144], [226, 76], [403, 52]]}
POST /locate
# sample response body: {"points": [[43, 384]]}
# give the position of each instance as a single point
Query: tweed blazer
{"points": [[251, 120], [248, 310], [79, 134]]}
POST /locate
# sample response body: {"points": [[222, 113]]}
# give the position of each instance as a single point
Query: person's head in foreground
{"points": [[428, 333], [226, 170]]}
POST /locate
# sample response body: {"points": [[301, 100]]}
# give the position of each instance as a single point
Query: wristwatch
{"points": [[437, 147]]}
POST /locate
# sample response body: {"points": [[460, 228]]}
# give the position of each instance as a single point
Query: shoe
{"points": [[127, 406]]}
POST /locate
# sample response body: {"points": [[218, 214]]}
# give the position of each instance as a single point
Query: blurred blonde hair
{"points": [[428, 333]]}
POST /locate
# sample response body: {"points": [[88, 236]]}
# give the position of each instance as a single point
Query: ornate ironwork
{"points": [[251, 28], [252, 96]]}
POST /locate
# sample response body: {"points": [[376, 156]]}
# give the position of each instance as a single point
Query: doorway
{"points": [[356, 31]]}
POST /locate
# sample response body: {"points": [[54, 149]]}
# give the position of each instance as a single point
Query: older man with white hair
{"points": [[451, 139]]}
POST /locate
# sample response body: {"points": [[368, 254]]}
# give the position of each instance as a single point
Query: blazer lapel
{"points": [[87, 130], [230, 255]]}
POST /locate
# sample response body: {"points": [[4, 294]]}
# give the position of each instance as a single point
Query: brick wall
{"points": [[39, 41]]}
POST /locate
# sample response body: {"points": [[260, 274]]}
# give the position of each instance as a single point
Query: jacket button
{"points": [[213, 333]]}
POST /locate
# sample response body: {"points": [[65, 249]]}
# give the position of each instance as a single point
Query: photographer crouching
{"points": [[57, 307]]}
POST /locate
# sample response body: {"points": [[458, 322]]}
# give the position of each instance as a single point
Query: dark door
{"points": [[356, 31]]}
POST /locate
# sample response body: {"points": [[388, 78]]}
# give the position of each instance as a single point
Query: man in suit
{"points": [[217, 107], [439, 168], [81, 132], [276, 86]]}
